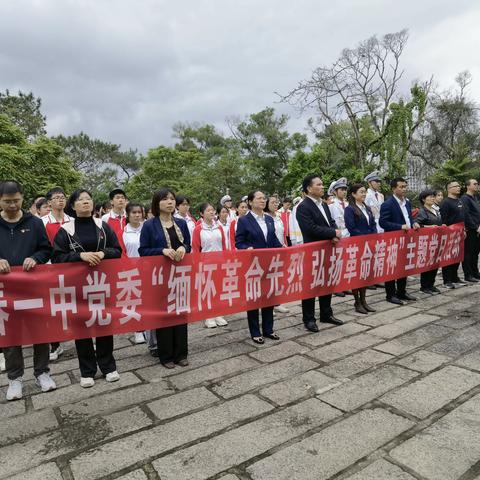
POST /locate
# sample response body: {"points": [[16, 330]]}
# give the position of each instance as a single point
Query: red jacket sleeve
{"points": [[196, 241], [232, 235]]}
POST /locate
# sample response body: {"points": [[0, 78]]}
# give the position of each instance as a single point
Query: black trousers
{"points": [[427, 279], [450, 273], [395, 288], [267, 322], [308, 308], [172, 343], [472, 249], [102, 355]]}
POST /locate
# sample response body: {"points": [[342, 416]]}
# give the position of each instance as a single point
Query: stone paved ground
{"points": [[392, 395]]}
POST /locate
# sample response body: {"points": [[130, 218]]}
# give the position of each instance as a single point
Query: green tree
{"points": [[38, 165], [24, 111]]}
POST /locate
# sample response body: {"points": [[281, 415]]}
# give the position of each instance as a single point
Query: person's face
{"points": [[316, 188], [242, 209], [360, 195], [376, 185], [57, 202], [119, 201], [223, 215], [167, 205], [135, 216], [439, 198], [341, 193], [45, 209], [11, 203], [259, 201], [473, 186], [454, 189], [287, 205], [400, 190], [209, 213], [430, 200], [228, 204], [273, 204], [183, 208], [83, 206]]}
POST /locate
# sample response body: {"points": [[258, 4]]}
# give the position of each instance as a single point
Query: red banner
{"points": [[67, 301]]}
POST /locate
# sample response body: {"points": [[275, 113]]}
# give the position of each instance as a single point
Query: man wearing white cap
{"points": [[226, 201], [338, 189], [374, 198]]}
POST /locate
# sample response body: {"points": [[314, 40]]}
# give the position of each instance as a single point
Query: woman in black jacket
{"points": [[88, 239], [428, 216]]}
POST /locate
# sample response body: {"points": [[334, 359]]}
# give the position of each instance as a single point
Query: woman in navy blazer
{"points": [[169, 236], [359, 220], [257, 230]]}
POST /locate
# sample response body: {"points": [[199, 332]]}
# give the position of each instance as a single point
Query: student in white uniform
{"points": [[295, 232], [183, 212], [208, 236], [226, 201], [131, 241], [224, 221], [374, 198], [338, 188]]}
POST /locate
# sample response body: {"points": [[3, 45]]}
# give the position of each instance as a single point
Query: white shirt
{"points": [[49, 218], [403, 207], [319, 204], [112, 214], [262, 224], [374, 200], [364, 211], [295, 233], [131, 239], [337, 210], [211, 237], [190, 223], [279, 229]]}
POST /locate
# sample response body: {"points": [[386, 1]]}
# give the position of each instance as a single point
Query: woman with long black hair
{"points": [[88, 239], [167, 235], [359, 220]]}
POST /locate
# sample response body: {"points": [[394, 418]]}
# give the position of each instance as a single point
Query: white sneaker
{"points": [[15, 388], [281, 309], [210, 323], [56, 353], [112, 377], [220, 321], [139, 338], [2, 362], [45, 382], [87, 382]]}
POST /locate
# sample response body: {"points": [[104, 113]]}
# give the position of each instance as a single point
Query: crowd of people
{"points": [[58, 229]]}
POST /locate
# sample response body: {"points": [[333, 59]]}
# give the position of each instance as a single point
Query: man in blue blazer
{"points": [[316, 223], [396, 214]]}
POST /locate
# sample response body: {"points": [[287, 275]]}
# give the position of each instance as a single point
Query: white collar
{"points": [[400, 202], [131, 229], [117, 215], [257, 217], [318, 202]]}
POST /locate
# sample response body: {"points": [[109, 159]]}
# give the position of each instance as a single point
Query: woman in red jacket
{"points": [[208, 236], [242, 209]]}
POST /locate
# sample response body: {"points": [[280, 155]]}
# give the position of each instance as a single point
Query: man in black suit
{"points": [[316, 223]]}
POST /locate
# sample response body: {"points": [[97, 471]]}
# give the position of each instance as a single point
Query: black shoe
{"points": [[471, 280], [476, 275], [312, 327], [435, 290], [449, 285], [380, 285], [406, 296], [427, 291], [272, 336], [333, 320], [339, 294], [154, 352], [460, 282], [394, 300]]}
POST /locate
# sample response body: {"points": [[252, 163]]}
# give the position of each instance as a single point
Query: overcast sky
{"points": [[126, 70]]}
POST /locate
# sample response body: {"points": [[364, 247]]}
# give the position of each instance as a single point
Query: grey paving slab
{"points": [[213, 456], [367, 387], [277, 352], [11, 409], [428, 394], [356, 363], [402, 326], [104, 460], [307, 384], [324, 454], [448, 448], [261, 376], [46, 471], [381, 470], [389, 316], [423, 361], [458, 342], [135, 475], [333, 333], [470, 360]]}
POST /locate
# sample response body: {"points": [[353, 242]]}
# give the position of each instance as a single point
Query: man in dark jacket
{"points": [[471, 208], [316, 223], [23, 242]]}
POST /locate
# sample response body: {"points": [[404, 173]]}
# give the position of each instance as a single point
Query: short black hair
{"points": [[307, 181], [426, 193], [107, 204], [287, 200], [40, 203], [395, 181], [469, 181], [116, 191], [450, 182], [250, 197], [220, 207], [180, 199], [53, 191], [73, 198], [10, 187], [203, 207], [158, 196]]}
